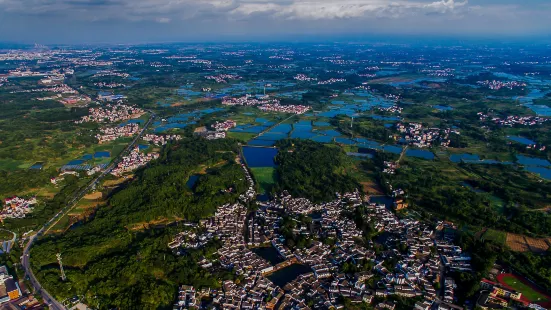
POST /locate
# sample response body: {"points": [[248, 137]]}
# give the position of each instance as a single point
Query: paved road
{"points": [[48, 299]]}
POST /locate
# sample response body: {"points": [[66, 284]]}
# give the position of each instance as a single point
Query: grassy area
{"points": [[498, 237], [5, 235], [527, 291], [241, 136], [265, 177]]}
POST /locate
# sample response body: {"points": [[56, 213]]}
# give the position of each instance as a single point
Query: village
{"points": [[133, 161], [417, 135], [420, 253], [17, 207], [111, 113], [112, 133]]}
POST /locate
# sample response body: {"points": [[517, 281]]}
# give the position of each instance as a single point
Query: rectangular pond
{"points": [[259, 156]]}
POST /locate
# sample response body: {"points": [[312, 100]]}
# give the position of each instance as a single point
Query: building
{"points": [[9, 288]]}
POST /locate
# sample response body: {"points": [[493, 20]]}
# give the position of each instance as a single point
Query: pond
{"points": [[345, 141], [521, 140], [87, 156], [269, 254], [260, 142], [457, 158], [302, 135], [288, 274], [443, 108], [420, 154], [37, 166], [541, 171], [322, 124], [532, 161], [75, 162], [192, 180], [386, 200], [102, 154], [259, 156]]}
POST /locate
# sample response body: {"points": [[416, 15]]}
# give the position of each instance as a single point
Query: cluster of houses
{"points": [[190, 239], [291, 108], [513, 120], [420, 257], [224, 126], [111, 113], [17, 207], [331, 81], [109, 85], [447, 72], [112, 133], [133, 161], [497, 85], [419, 136], [160, 140], [103, 73], [223, 78], [247, 100], [250, 193], [61, 88], [304, 78], [392, 109], [390, 167]]}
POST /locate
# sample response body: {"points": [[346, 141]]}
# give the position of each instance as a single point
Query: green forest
{"points": [[311, 170], [120, 258]]}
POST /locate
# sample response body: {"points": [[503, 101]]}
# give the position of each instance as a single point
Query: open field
{"points": [[519, 243], [241, 136], [498, 237], [265, 177], [519, 284]]}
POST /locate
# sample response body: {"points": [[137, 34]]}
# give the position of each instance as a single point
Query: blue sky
{"points": [[140, 21]]}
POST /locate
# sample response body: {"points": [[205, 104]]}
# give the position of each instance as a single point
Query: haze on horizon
{"points": [[139, 21]]}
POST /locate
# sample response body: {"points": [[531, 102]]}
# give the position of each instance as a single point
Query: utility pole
{"points": [[63, 277]]}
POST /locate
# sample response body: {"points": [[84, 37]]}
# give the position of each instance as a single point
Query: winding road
{"points": [[48, 299]]}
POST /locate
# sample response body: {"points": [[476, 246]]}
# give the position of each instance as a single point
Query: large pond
{"points": [[532, 161], [192, 180], [420, 154], [259, 156], [521, 140], [288, 274], [270, 254]]}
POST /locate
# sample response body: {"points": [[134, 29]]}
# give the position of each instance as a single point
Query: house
{"points": [[9, 288]]}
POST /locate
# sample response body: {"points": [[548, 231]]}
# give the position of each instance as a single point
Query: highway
{"points": [[48, 299]]}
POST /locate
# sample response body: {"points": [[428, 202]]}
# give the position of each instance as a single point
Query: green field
{"points": [[498, 237], [241, 136], [5, 235], [265, 177], [527, 291]]}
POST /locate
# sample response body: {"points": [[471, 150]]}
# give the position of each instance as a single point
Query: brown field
{"points": [[94, 196], [146, 225], [538, 245], [371, 188], [110, 183], [519, 243]]}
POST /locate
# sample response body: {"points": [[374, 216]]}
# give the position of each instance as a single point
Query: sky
{"points": [[145, 21]]}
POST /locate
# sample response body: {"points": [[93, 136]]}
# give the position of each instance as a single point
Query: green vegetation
{"points": [[265, 177], [527, 291], [312, 170], [115, 260]]}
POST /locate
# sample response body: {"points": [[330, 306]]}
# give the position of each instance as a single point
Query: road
{"points": [[54, 304]]}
